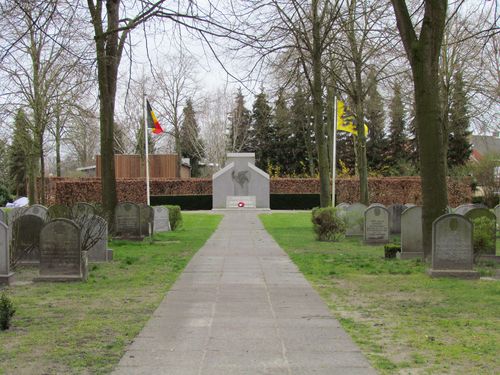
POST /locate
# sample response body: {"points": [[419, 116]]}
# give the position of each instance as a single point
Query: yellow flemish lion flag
{"points": [[153, 122], [344, 121]]}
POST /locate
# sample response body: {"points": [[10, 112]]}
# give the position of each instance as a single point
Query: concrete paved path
{"points": [[242, 307]]}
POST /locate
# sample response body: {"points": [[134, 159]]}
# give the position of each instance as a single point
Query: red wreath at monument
{"points": [[241, 204]]}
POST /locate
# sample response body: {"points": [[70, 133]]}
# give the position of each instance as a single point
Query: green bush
{"points": [[174, 216], [6, 312], [390, 250], [328, 225], [484, 235], [4, 195]]}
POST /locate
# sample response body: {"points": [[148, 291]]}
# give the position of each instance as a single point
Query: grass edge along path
{"points": [[404, 321], [84, 328]]}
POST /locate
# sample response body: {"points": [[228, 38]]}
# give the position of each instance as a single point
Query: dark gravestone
{"points": [[14, 213], [147, 218], [59, 211], [37, 210], [25, 238], [411, 233], [127, 221], [95, 238], [452, 252], [395, 211], [61, 257], [82, 208], [354, 217], [6, 276], [161, 221], [489, 222], [376, 225]]}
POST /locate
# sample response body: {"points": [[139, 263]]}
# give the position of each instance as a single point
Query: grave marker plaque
{"points": [[95, 238], [411, 233], [162, 221], [26, 237], [376, 225], [395, 211], [127, 221], [452, 251], [354, 217], [38, 210], [60, 252]]}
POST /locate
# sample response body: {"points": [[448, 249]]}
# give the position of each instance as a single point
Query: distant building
{"points": [[484, 144]]}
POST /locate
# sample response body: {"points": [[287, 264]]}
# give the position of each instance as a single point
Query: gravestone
{"points": [[127, 221], [61, 256], [162, 221], [26, 237], [147, 218], [6, 277], [354, 217], [477, 213], [14, 213], [395, 211], [464, 208], [342, 206], [95, 239], [3, 217], [411, 233], [376, 225], [58, 211], [82, 208], [452, 252], [38, 210], [240, 184], [497, 214]]}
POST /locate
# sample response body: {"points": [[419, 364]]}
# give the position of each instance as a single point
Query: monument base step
{"points": [[460, 274], [7, 279]]}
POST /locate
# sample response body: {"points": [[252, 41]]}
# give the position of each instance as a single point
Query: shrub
{"points": [[174, 216], [390, 250], [6, 312], [483, 238], [328, 225], [4, 195]]}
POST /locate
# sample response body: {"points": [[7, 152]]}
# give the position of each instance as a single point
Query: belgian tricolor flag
{"points": [[153, 122]]}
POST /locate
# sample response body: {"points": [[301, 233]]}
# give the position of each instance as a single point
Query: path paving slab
{"points": [[241, 307]]}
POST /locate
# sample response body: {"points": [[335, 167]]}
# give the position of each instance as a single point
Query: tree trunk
{"points": [[42, 170], [317, 94], [58, 145], [361, 161]]}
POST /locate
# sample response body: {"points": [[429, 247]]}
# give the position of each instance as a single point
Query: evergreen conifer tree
{"points": [[302, 157], [19, 154], [459, 147], [263, 137], [240, 132], [398, 142], [191, 142], [376, 146]]}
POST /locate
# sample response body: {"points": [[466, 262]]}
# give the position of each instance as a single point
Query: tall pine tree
{"points": [[262, 131], [240, 132], [303, 153], [459, 147], [398, 142], [191, 142], [376, 146], [20, 160]]}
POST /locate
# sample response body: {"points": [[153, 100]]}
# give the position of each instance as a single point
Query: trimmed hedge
{"points": [[386, 190], [186, 202], [174, 216], [294, 201]]}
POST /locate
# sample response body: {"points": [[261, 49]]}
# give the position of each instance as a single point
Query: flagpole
{"points": [[334, 148], [146, 147]]}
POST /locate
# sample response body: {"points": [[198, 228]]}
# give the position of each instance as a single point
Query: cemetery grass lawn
{"points": [[404, 321], [83, 328]]}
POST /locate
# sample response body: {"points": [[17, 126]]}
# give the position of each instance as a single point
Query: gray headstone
{"points": [[477, 213], [38, 210], [25, 238], [128, 221], [58, 211], [395, 211], [354, 217], [464, 208], [147, 217], [342, 206], [5, 274], [411, 233], [452, 252], [376, 225], [60, 252], [162, 221], [95, 238]]}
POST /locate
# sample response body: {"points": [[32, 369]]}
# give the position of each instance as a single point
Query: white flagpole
{"points": [[146, 148], [334, 148]]}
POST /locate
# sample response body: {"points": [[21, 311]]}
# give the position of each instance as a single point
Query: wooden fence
{"points": [[133, 166]]}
